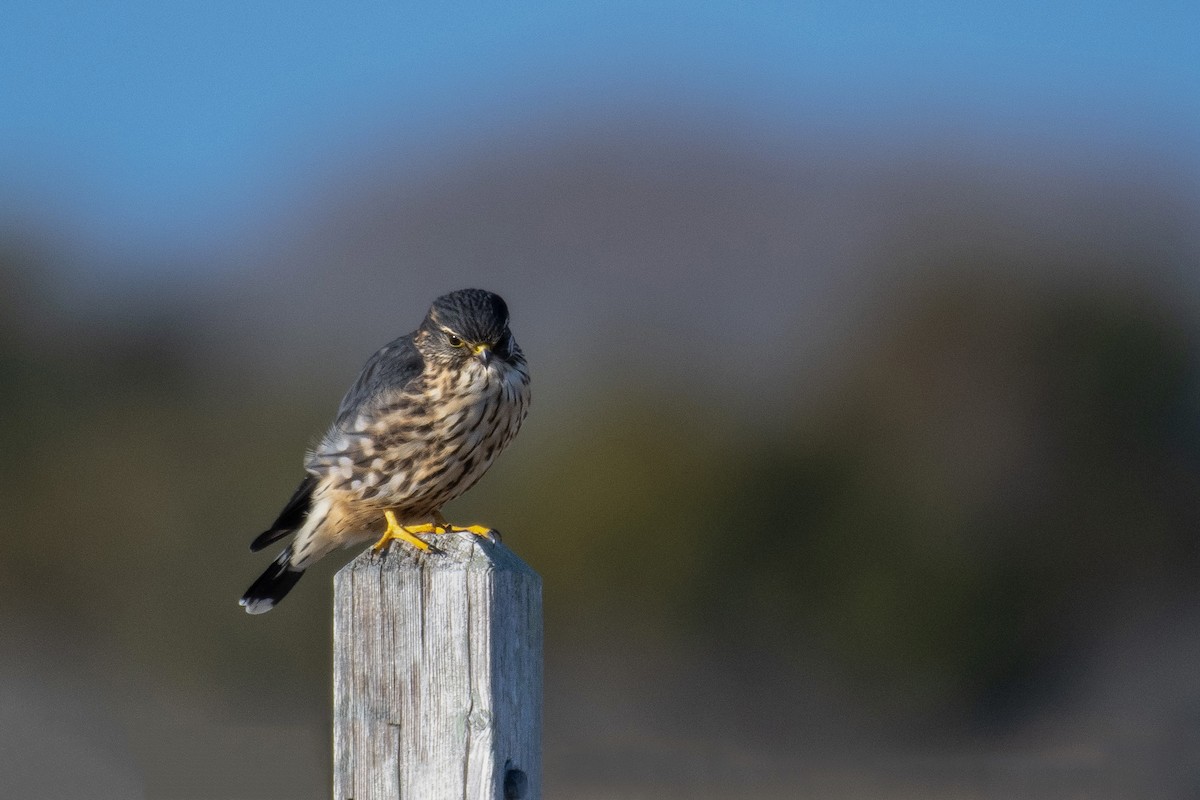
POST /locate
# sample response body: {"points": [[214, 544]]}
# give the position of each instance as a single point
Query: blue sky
{"points": [[152, 122]]}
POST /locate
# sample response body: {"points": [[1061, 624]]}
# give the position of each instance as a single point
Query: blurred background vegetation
{"points": [[853, 471]]}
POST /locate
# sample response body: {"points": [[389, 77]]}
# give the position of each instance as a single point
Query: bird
{"points": [[422, 423]]}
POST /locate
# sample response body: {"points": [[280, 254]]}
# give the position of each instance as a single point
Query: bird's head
{"points": [[466, 324]]}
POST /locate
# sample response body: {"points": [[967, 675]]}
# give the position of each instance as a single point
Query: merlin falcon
{"points": [[426, 418]]}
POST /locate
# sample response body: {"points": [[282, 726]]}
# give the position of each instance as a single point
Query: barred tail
{"points": [[272, 585]]}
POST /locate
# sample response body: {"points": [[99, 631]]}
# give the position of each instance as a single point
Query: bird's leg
{"points": [[397, 531], [446, 527]]}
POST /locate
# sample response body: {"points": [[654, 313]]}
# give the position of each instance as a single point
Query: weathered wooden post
{"points": [[437, 672]]}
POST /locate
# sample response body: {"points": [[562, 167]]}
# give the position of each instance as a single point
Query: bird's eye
{"points": [[454, 340]]}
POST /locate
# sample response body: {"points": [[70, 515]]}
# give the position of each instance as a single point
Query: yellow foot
{"points": [[426, 527], [478, 530], [397, 531]]}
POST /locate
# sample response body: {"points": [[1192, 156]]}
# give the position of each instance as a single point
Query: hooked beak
{"points": [[483, 352]]}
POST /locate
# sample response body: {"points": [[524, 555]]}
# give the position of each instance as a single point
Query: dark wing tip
{"points": [[268, 537], [291, 518]]}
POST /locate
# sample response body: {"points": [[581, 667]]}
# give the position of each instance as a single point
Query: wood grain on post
{"points": [[437, 672]]}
